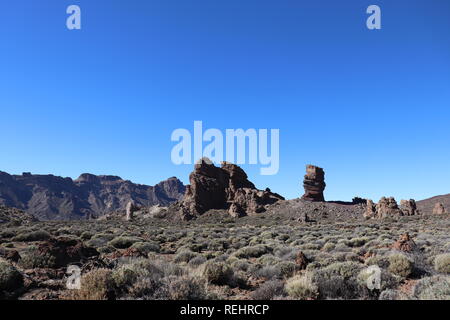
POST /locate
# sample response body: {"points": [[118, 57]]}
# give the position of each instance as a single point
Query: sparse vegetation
{"points": [[246, 258]]}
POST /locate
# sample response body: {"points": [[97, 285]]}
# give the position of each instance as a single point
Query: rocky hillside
{"points": [[49, 197], [15, 216], [426, 206]]}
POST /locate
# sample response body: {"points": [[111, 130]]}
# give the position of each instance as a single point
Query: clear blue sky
{"points": [[371, 107]]}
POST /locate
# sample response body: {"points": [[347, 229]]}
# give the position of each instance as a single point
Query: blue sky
{"points": [[371, 107]]}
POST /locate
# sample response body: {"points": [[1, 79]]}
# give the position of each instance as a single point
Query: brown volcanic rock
{"points": [[314, 184], [227, 188], [404, 243], [409, 207], [427, 206], [66, 250], [387, 207], [439, 208], [371, 210], [49, 197]]}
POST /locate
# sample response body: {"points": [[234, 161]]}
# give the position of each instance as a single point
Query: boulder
{"points": [[439, 208], [314, 184], [226, 187], [404, 243]]}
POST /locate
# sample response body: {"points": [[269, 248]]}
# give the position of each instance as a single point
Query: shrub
{"points": [[433, 288], [10, 278], [33, 258], [442, 263], [123, 242], [197, 261], [400, 265], [97, 284], [39, 235], [185, 288], [338, 280], [146, 247], [287, 268], [252, 251], [269, 290], [185, 256], [218, 273], [302, 287]]}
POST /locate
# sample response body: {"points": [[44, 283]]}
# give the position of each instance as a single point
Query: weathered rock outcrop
{"points": [[314, 184], [439, 208], [226, 188], [409, 207], [404, 243], [387, 207], [371, 210], [130, 210], [49, 197]]}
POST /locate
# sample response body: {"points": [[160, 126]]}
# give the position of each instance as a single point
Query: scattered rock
{"points": [[439, 208], [303, 217], [226, 188], [404, 243], [314, 184], [66, 250], [301, 261]]}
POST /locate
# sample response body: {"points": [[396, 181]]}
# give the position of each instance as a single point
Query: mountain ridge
{"points": [[50, 197]]}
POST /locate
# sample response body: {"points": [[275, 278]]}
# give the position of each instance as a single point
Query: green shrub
{"points": [[302, 287], [442, 263], [146, 247], [433, 288], [400, 265], [33, 258], [97, 284], [269, 290], [184, 256], [218, 273], [39, 235], [252, 251], [123, 242]]}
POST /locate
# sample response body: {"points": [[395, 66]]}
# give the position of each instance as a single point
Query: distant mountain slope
{"points": [[427, 205], [49, 197]]}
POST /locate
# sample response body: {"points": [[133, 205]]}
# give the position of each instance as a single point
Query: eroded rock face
{"points": [[387, 207], [130, 210], [439, 208], [409, 207], [314, 184], [371, 210], [225, 187]]}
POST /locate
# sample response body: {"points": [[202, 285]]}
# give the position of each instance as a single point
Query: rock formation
{"points": [[130, 210], [409, 207], [404, 243], [314, 184], [371, 210], [439, 208], [49, 197], [387, 207], [227, 188]]}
